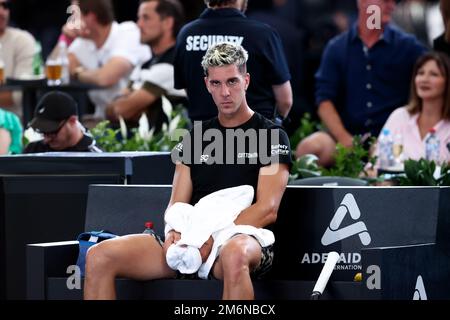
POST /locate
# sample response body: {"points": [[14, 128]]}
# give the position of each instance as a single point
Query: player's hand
{"points": [[172, 238], [206, 248]]}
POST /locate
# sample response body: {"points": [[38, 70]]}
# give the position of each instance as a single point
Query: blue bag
{"points": [[87, 240]]}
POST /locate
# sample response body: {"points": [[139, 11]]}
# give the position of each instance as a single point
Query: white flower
{"points": [[123, 128], [174, 123], [143, 130], [167, 107], [144, 126]]}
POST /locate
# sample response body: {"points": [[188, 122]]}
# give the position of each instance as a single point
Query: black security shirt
{"points": [[220, 158], [267, 63]]}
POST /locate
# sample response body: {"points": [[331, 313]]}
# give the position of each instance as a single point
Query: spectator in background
{"points": [[442, 43], [319, 21], [428, 108], [224, 20], [105, 52], [364, 75], [10, 133], [294, 45], [159, 22], [56, 117], [17, 51]]}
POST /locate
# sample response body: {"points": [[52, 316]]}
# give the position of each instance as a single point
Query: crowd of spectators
{"points": [[309, 56]]}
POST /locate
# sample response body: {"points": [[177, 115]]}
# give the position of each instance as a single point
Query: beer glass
{"points": [[53, 70], [2, 73]]}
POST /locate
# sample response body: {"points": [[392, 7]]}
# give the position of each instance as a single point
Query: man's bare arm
{"points": [[133, 104], [5, 141], [272, 182], [181, 192], [283, 98], [74, 63], [330, 117], [182, 185], [106, 76]]}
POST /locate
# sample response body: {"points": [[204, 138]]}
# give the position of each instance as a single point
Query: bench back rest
{"points": [[125, 209]]}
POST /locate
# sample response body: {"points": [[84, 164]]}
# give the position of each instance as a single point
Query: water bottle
{"points": [[149, 229], [386, 155], [63, 56], [432, 146]]}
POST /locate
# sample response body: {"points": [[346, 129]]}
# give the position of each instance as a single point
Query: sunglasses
{"points": [[52, 133], [5, 5]]}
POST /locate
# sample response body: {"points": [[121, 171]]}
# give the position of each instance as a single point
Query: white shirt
{"points": [[123, 41], [17, 52], [159, 75]]}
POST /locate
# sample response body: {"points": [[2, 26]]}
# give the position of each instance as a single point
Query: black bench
{"points": [[390, 216], [123, 210]]}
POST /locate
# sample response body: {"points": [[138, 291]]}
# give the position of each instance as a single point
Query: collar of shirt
{"points": [[222, 12], [386, 36]]}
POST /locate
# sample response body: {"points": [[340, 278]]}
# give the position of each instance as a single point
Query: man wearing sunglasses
{"points": [[17, 51], [56, 117]]}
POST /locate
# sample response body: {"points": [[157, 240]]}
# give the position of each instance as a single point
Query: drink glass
{"points": [[2, 73], [53, 70]]}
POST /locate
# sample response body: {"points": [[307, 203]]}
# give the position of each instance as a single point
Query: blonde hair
{"points": [[224, 54]]}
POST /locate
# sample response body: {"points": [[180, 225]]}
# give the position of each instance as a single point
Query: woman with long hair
{"points": [[428, 108]]}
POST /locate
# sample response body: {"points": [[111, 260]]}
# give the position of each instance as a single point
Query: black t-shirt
{"points": [[86, 144], [267, 63], [222, 157]]}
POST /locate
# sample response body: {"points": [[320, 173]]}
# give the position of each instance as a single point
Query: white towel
{"points": [[208, 217], [197, 223], [186, 259], [265, 238]]}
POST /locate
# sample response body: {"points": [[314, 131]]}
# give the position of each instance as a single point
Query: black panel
{"points": [[41, 209], [125, 209], [392, 217], [401, 268]]}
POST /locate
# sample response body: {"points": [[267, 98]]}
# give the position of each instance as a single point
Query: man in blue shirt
{"points": [[364, 75], [224, 21]]}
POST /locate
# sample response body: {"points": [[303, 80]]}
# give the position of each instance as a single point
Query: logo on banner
{"points": [[334, 234], [420, 293]]}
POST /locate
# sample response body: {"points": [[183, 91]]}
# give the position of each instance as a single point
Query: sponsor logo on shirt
{"points": [[279, 149], [248, 155], [204, 158]]}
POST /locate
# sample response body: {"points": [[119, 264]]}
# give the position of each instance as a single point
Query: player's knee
{"points": [[99, 259], [235, 259]]}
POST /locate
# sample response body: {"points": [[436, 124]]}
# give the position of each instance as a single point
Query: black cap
{"points": [[53, 108]]}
